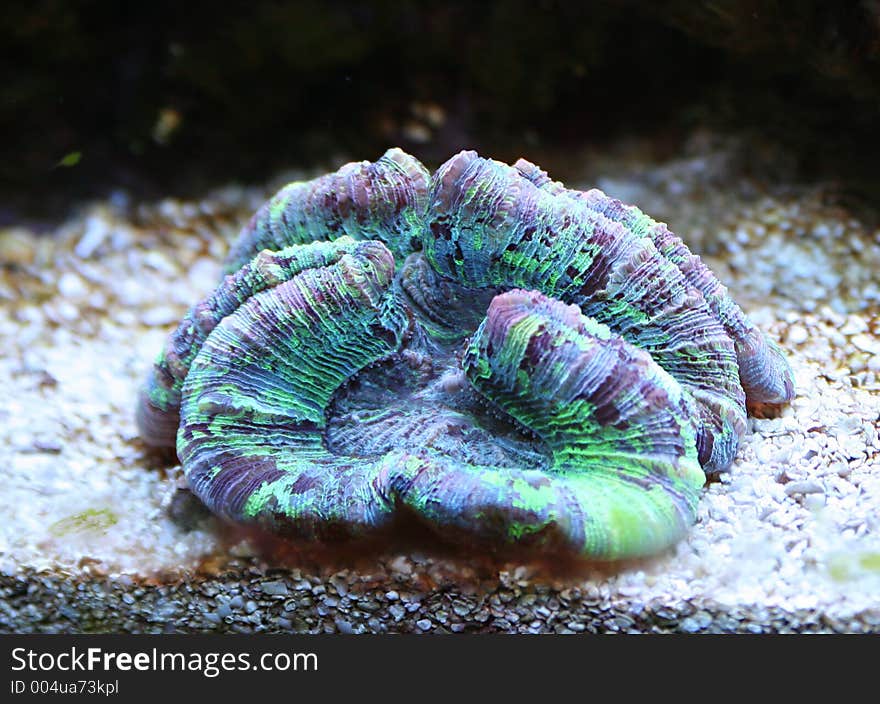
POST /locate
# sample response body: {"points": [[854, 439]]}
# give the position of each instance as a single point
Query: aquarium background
{"points": [[166, 97]]}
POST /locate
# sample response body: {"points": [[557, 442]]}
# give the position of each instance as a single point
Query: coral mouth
{"points": [[419, 399]]}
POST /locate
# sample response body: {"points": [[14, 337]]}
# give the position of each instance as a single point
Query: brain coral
{"points": [[504, 358]]}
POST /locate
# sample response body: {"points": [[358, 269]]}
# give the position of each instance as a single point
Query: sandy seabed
{"points": [[98, 534]]}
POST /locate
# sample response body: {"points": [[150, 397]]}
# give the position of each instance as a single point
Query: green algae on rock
{"points": [[93, 520], [505, 358]]}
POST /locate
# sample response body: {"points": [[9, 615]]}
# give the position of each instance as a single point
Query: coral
{"points": [[505, 358]]}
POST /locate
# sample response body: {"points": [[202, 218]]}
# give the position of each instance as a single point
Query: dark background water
{"points": [[171, 97]]}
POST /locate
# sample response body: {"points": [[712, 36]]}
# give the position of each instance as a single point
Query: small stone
{"points": [[96, 231], [243, 549], [72, 286], [482, 615], [274, 588], [842, 469], [160, 315], [806, 486], [424, 624], [461, 608], [339, 584], [236, 602], [692, 625], [814, 502], [623, 622], [47, 445], [866, 343], [17, 247], [798, 335], [63, 312], [854, 324], [401, 566]]}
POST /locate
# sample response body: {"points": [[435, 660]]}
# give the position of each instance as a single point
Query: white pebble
{"points": [[160, 315], [803, 487], [814, 502], [71, 286], [854, 325], [842, 469], [866, 343], [797, 334], [96, 231]]}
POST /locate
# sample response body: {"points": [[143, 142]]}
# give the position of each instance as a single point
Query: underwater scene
{"points": [[397, 317]]}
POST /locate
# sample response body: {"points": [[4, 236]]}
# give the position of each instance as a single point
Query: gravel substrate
{"points": [[99, 536]]}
